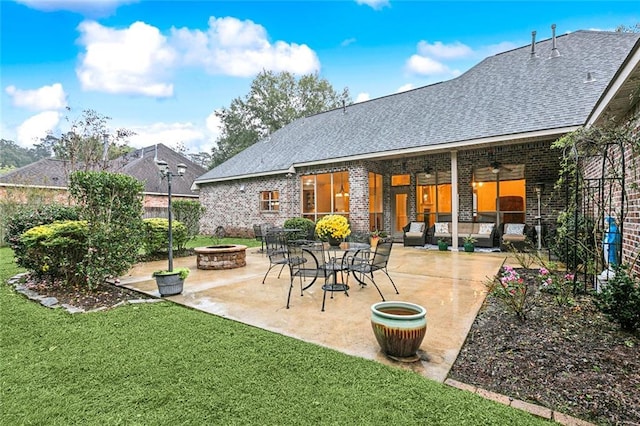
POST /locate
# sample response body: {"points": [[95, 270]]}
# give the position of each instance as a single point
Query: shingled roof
{"points": [[507, 96], [139, 163]]}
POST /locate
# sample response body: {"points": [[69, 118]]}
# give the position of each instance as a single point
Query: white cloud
{"points": [[129, 61], [214, 125], [347, 42], [241, 49], [363, 97], [194, 138], [375, 4], [438, 59], [404, 87], [493, 49], [37, 127], [93, 7], [444, 51], [42, 99], [426, 66]]}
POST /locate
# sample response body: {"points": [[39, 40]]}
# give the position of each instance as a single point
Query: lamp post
{"points": [[538, 189], [165, 172]]}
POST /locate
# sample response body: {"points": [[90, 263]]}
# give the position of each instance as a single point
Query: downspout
{"points": [[454, 200]]}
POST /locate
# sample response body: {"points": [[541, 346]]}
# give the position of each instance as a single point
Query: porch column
{"points": [[454, 200]]}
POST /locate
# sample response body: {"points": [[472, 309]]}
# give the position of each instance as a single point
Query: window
{"points": [[325, 194], [270, 201], [499, 197], [400, 180], [376, 220], [433, 197]]}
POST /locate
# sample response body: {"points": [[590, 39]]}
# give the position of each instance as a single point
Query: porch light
{"points": [[428, 172]]}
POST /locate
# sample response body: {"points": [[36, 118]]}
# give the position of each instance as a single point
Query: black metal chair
{"points": [[363, 267], [303, 266], [276, 249]]}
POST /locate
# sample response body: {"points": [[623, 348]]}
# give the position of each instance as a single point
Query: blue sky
{"points": [[161, 68]]}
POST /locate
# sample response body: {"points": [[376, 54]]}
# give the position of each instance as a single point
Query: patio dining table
{"points": [[338, 263]]}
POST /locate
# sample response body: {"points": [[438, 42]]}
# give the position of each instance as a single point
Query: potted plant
{"points": [[171, 282], [442, 245], [333, 228], [469, 243], [375, 236]]}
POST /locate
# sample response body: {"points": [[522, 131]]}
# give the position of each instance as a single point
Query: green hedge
{"points": [[156, 235], [56, 250]]}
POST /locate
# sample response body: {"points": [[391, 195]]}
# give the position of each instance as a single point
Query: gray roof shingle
{"points": [[139, 163], [505, 94]]}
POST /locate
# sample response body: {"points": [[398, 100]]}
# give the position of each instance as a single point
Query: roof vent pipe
{"points": [[554, 49], [344, 107], [533, 44], [590, 78]]}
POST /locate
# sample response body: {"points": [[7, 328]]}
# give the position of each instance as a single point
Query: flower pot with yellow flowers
{"points": [[333, 228]]}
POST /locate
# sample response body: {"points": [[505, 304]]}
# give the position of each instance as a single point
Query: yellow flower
{"points": [[333, 225]]}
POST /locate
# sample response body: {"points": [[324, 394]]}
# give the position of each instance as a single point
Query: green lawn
{"points": [[164, 364]]}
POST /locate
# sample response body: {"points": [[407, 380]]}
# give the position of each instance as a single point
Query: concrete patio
{"points": [[450, 285]]}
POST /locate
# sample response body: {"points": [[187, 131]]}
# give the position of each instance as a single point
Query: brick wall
{"points": [[237, 211]]}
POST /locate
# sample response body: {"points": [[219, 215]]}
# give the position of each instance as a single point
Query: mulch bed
{"points": [[104, 296], [570, 359]]}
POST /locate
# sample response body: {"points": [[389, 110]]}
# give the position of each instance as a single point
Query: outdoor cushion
{"points": [[514, 228], [485, 228], [442, 228], [416, 227]]}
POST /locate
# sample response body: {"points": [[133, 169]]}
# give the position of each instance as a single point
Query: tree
{"points": [[274, 101], [14, 156], [629, 29], [88, 145]]}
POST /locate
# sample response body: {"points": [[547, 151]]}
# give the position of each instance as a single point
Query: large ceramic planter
{"points": [[469, 247], [399, 328], [443, 246], [169, 284]]}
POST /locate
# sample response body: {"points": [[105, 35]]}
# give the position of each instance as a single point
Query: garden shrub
{"points": [[156, 236], [111, 203], [307, 227], [28, 217], [512, 291], [620, 299], [189, 213], [56, 250]]}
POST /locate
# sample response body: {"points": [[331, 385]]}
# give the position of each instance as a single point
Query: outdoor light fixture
{"points": [[538, 187], [163, 166], [428, 172]]}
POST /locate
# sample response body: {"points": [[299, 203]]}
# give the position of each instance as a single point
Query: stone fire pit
{"points": [[224, 256]]}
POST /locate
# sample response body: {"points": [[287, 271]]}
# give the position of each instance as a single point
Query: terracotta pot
{"points": [[399, 328]]}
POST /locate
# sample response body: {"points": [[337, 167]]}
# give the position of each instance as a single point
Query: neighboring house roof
{"points": [[511, 95], [139, 163]]}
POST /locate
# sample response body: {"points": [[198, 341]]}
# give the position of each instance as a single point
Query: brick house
{"points": [[46, 179], [474, 148]]}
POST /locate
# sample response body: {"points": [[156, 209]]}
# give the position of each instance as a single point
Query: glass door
{"points": [[400, 212]]}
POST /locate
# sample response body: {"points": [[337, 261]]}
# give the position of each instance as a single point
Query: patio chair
{"points": [[363, 267], [260, 231], [276, 248], [303, 266]]}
